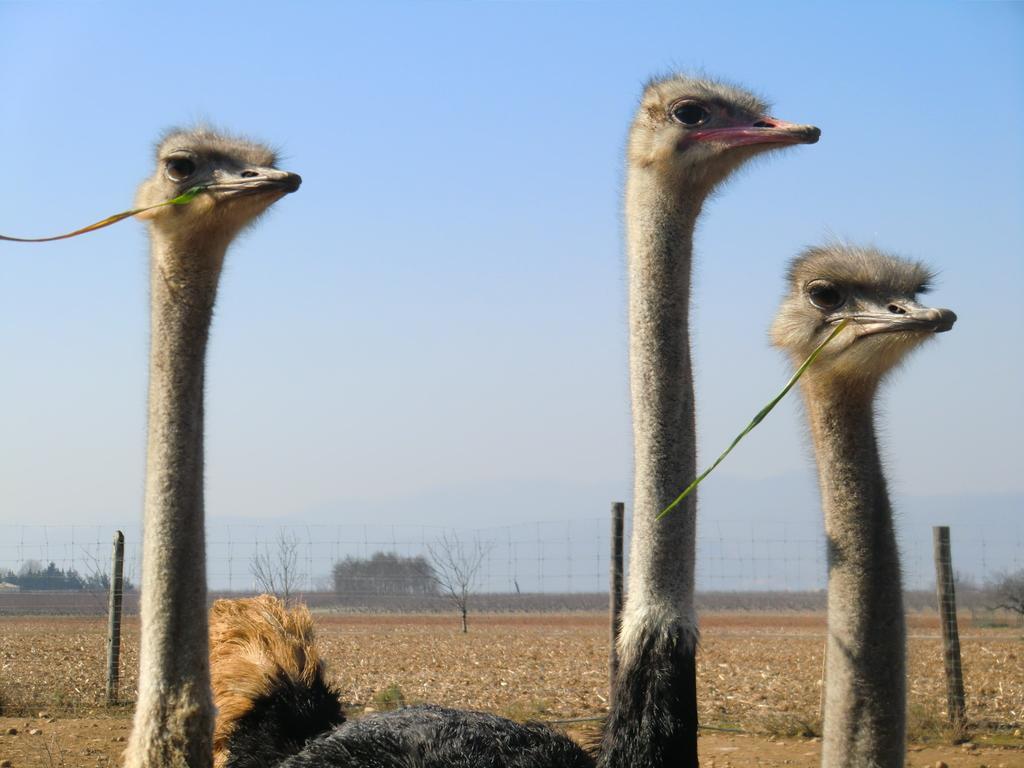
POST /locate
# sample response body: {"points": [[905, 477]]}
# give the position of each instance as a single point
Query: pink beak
{"points": [[766, 130]]}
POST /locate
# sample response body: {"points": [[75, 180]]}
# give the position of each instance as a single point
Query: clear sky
{"points": [[439, 312]]}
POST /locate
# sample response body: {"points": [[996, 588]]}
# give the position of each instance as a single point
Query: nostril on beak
{"points": [[763, 124], [249, 174], [896, 309]]}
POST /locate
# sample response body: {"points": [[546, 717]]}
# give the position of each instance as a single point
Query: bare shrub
{"points": [[456, 567], [277, 572], [1006, 592]]}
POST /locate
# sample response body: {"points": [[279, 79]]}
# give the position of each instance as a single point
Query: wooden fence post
{"points": [[615, 593], [946, 593], [114, 617]]}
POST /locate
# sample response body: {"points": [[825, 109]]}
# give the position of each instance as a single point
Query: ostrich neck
{"points": [[653, 718], [865, 677], [174, 713], [660, 244]]}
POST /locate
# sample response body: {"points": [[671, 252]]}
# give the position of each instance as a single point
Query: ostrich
{"points": [[276, 709], [865, 685], [688, 136], [174, 714]]}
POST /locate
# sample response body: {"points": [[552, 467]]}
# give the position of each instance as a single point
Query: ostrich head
{"points": [[696, 132], [240, 183], [877, 292]]}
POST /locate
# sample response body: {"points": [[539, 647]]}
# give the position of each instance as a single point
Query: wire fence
{"points": [[762, 673], [548, 558]]}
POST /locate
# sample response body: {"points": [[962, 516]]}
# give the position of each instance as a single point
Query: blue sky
{"points": [[439, 312]]}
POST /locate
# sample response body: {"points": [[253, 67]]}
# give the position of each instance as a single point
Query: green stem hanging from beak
{"points": [[183, 199], [756, 420]]}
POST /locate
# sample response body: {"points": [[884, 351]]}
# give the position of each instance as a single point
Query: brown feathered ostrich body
{"points": [[865, 679], [268, 679]]}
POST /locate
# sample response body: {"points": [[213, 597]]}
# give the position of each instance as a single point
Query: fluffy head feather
{"points": [[239, 181], [876, 292], [213, 143], [694, 132]]}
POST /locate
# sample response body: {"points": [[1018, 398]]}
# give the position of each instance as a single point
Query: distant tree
{"points": [[97, 577], [384, 573], [31, 568], [277, 571], [1007, 592], [31, 575], [457, 569]]}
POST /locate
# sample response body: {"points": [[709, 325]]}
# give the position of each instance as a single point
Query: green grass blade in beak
{"points": [[756, 420], [185, 197]]}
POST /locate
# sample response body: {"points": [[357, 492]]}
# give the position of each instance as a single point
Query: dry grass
{"points": [[760, 672]]}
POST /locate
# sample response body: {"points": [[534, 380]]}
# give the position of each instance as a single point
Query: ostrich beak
{"points": [[766, 130], [254, 181], [903, 316]]}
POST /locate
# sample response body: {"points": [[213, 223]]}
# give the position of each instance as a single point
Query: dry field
{"points": [[759, 673]]}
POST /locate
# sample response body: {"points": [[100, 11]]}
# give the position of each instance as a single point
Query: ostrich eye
{"points": [[690, 113], [825, 296], [180, 168]]}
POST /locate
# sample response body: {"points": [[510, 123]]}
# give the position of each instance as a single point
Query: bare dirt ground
{"points": [[759, 673]]}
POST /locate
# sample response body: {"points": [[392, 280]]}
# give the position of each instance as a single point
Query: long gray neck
{"points": [[174, 714], [865, 681], [653, 719], [660, 243]]}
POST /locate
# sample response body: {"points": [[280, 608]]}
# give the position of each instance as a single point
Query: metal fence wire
{"points": [[552, 557], [761, 590]]}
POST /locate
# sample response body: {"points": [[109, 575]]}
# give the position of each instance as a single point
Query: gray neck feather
{"points": [[659, 242], [174, 713], [865, 682]]}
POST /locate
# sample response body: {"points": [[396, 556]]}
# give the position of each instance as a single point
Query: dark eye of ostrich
{"points": [[825, 296], [690, 113], [179, 168]]}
